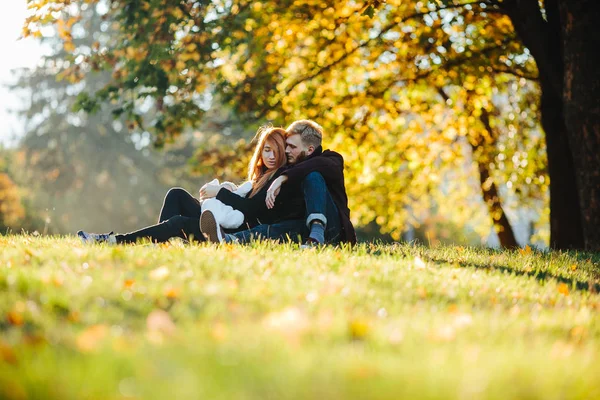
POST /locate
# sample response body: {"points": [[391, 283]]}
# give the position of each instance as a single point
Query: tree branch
{"points": [[385, 29], [516, 73]]}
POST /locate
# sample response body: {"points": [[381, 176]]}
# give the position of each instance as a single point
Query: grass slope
{"points": [[270, 321]]}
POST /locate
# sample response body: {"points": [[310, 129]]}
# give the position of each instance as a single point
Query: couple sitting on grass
{"points": [[303, 200]]}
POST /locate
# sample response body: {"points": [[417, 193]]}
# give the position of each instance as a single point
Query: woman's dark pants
{"points": [[179, 217]]}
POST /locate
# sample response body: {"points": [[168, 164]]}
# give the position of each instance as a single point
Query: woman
{"points": [[180, 213]]}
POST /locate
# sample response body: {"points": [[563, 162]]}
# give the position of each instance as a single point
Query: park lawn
{"points": [[269, 321]]}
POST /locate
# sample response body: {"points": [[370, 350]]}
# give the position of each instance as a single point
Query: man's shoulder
{"points": [[334, 156], [331, 153]]}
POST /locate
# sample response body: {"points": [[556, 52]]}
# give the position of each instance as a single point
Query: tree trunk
{"points": [[542, 38], [581, 99], [492, 200], [490, 191], [565, 213]]}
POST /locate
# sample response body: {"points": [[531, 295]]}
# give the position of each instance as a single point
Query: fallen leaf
{"points": [[160, 321], [159, 273], [219, 332], [172, 293], [563, 288], [444, 334], [419, 263], [290, 320], [7, 354], [90, 338], [462, 320], [525, 251], [561, 349], [73, 316], [358, 328], [14, 318]]}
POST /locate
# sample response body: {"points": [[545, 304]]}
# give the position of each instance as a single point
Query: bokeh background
{"points": [[436, 112]]}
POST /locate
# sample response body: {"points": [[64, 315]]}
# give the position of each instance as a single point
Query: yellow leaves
{"points": [[136, 53]]}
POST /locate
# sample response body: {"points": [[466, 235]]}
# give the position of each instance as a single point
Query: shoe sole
{"points": [[209, 227]]}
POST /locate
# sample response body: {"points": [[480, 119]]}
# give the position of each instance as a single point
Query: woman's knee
{"points": [[175, 192], [176, 222]]}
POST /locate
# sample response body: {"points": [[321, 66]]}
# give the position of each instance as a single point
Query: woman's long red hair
{"points": [[258, 174]]}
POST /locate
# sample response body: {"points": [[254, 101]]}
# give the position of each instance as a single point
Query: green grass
{"points": [[276, 322]]}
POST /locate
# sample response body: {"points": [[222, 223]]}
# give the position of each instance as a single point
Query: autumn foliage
{"points": [[11, 209]]}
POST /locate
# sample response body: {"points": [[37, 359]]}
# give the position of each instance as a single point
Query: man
{"points": [[316, 175]]}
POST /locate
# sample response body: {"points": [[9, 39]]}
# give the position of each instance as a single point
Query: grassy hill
{"points": [[268, 321]]}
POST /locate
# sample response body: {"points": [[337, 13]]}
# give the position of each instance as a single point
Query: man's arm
{"points": [[326, 166]]}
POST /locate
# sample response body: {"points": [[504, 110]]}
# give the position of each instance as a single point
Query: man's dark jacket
{"points": [[331, 166]]}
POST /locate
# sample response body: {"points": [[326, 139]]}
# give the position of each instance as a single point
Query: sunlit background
{"points": [[67, 170], [16, 53]]}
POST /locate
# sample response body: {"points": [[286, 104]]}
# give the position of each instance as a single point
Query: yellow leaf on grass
{"points": [[419, 263], [290, 320], [159, 273], [90, 339], [358, 328], [7, 354], [563, 288], [172, 293], [14, 318], [525, 251], [159, 321]]}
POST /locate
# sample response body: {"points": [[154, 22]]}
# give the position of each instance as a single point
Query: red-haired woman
{"points": [[180, 213]]}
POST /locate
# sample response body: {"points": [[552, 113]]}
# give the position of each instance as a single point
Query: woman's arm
{"points": [[250, 207], [274, 190]]}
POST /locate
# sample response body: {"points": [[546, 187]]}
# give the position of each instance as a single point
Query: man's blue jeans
{"points": [[319, 206]]}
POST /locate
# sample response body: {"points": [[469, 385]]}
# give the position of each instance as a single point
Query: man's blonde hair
{"points": [[310, 132]]}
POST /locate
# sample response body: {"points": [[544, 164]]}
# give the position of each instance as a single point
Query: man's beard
{"points": [[301, 157]]}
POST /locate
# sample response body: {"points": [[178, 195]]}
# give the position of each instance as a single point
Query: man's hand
{"points": [[273, 191], [209, 190]]}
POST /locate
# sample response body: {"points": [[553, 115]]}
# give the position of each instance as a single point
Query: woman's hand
{"points": [[229, 186], [209, 190], [273, 191]]}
